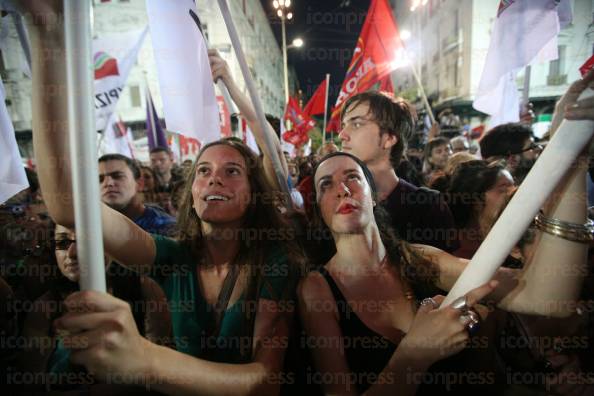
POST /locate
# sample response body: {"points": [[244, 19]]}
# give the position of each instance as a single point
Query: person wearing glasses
{"points": [[47, 353], [513, 143]]}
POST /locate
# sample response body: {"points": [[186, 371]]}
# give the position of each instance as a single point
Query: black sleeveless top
{"points": [[367, 353]]}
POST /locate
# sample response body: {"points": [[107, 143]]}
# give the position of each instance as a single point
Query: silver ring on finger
{"points": [[429, 301], [472, 320], [460, 304]]}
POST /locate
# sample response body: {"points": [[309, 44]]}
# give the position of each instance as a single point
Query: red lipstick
{"points": [[346, 208]]}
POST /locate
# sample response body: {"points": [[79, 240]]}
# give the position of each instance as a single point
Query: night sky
{"points": [[330, 29]]}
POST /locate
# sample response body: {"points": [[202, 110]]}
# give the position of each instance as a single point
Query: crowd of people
{"points": [[218, 283]]}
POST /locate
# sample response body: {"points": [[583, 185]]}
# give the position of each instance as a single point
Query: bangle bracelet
{"points": [[583, 233]]}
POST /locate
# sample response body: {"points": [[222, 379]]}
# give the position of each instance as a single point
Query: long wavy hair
{"points": [[420, 273], [262, 228]]}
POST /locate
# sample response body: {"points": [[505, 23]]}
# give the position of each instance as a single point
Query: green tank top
{"points": [[175, 271]]}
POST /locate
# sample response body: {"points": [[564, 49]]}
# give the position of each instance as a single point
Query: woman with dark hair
{"points": [[477, 194], [229, 277], [46, 352], [369, 288]]}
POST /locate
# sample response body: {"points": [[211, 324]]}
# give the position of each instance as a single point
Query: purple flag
{"points": [[154, 131]]}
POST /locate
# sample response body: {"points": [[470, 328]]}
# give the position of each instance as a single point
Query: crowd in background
{"points": [[217, 283]]}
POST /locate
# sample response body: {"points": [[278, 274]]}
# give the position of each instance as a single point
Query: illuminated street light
{"points": [[281, 7]]}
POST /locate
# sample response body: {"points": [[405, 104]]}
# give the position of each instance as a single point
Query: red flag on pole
{"points": [[302, 123], [377, 47], [317, 103], [296, 138]]}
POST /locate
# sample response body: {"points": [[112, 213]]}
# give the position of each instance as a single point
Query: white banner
{"points": [[187, 90], [114, 56], [524, 32], [12, 172], [117, 139]]}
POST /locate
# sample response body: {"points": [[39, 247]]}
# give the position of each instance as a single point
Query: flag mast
{"points": [[422, 91], [268, 146], [83, 150], [326, 108]]}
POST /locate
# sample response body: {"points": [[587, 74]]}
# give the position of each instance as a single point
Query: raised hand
{"points": [[570, 108], [438, 333], [218, 66]]}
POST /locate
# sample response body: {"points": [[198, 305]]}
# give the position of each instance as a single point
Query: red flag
{"points": [[585, 68], [296, 138], [334, 124], [378, 46], [224, 117], [386, 85], [317, 103], [189, 146], [302, 123]]}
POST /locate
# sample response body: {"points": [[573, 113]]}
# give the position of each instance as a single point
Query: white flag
{"points": [[524, 31], [114, 56], [12, 172], [189, 101], [286, 146], [116, 138]]}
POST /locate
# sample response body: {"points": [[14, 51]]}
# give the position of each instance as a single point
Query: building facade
{"points": [[115, 16], [449, 43]]}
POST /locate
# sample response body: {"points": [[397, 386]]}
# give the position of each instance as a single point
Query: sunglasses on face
{"points": [[64, 244]]}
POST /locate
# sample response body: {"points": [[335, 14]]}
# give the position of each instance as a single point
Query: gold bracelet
{"points": [[575, 232]]}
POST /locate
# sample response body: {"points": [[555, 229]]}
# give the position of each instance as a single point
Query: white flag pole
{"points": [[423, 95], [326, 108], [526, 93], [83, 141], [268, 146]]}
